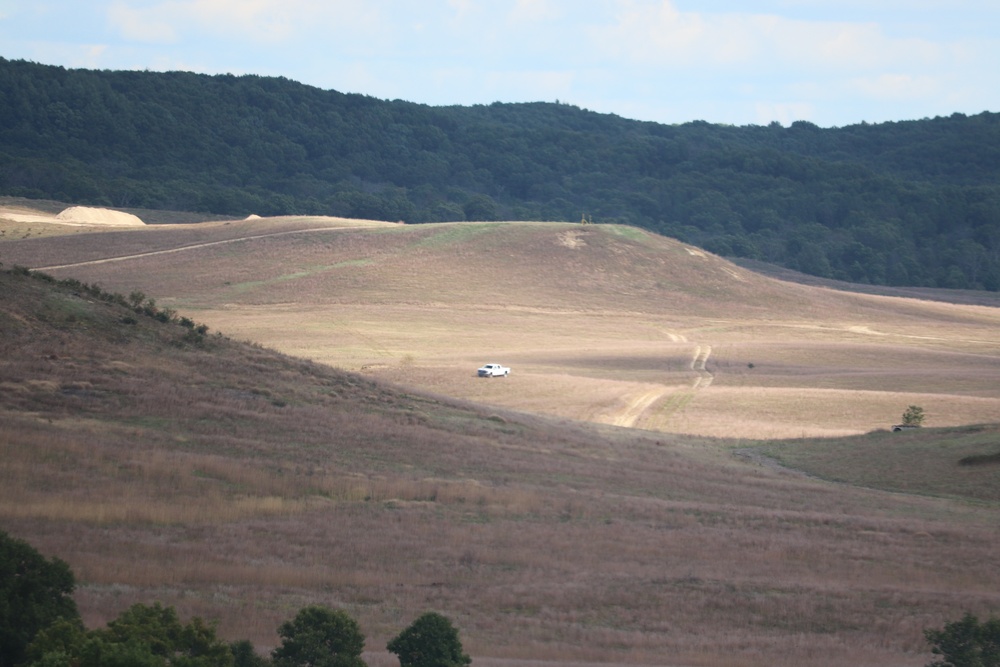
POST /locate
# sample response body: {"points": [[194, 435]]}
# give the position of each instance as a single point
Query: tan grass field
{"points": [[240, 485], [600, 323]]}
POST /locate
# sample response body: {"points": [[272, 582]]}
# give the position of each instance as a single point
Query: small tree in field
{"points": [[966, 643], [320, 637], [34, 593], [430, 641], [245, 656], [914, 416], [141, 636]]}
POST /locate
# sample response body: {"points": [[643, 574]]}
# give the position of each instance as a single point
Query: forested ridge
{"points": [[902, 203]]}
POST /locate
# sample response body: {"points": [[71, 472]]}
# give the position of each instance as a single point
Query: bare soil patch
{"points": [[98, 216]]}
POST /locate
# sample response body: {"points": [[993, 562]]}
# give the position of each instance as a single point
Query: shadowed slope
{"points": [[240, 484]]}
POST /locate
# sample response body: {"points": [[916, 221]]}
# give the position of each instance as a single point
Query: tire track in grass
{"points": [[676, 401], [705, 377], [681, 399], [638, 406]]}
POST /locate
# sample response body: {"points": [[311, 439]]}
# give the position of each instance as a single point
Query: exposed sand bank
{"points": [[74, 215]]}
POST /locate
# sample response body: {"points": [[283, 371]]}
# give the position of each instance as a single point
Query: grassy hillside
{"points": [[601, 323], [240, 484], [910, 203], [962, 462]]}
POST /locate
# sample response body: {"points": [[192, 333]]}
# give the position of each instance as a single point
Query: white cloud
{"points": [[270, 20], [533, 11], [529, 85], [657, 33], [141, 25], [645, 32], [897, 86], [92, 56], [258, 20], [462, 8], [866, 46], [9, 10]]}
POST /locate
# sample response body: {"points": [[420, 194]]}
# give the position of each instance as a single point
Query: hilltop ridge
{"points": [[601, 323], [907, 204]]}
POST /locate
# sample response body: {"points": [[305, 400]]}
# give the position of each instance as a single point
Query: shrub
{"points": [[245, 656], [914, 416], [430, 641], [142, 636], [966, 643], [34, 593], [320, 637]]}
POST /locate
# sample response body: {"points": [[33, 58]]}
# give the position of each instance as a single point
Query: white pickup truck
{"points": [[493, 371]]}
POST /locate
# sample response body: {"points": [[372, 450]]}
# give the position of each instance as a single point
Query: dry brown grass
{"points": [[241, 485], [590, 327]]}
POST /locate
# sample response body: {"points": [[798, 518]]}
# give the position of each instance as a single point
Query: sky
{"points": [[748, 62]]}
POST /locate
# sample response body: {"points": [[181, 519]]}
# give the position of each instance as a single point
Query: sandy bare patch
{"points": [[732, 272], [74, 215], [571, 239], [99, 216]]}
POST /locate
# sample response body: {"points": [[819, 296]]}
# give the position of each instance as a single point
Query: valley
{"points": [[689, 465]]}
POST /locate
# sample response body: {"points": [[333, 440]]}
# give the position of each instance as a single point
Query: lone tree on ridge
{"points": [[914, 416]]}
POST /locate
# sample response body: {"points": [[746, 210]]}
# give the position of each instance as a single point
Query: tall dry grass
{"points": [[581, 323], [240, 485]]}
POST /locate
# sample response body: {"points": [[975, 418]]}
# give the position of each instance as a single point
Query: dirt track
{"points": [[642, 402], [187, 247], [638, 406]]}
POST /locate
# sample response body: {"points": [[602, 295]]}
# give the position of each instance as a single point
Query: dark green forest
{"points": [[903, 203], [40, 626]]}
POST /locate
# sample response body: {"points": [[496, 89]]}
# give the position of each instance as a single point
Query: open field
{"points": [[600, 323], [239, 484]]}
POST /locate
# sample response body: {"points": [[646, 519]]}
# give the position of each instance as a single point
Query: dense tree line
{"points": [[35, 593], [41, 627], [966, 643], [905, 203]]}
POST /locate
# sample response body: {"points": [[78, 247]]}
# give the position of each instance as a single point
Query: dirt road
{"points": [[638, 405], [193, 246]]}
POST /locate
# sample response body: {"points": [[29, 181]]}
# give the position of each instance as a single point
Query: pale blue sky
{"points": [[831, 62]]}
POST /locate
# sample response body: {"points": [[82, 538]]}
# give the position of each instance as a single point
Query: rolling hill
{"points": [[910, 203], [166, 462], [601, 323]]}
